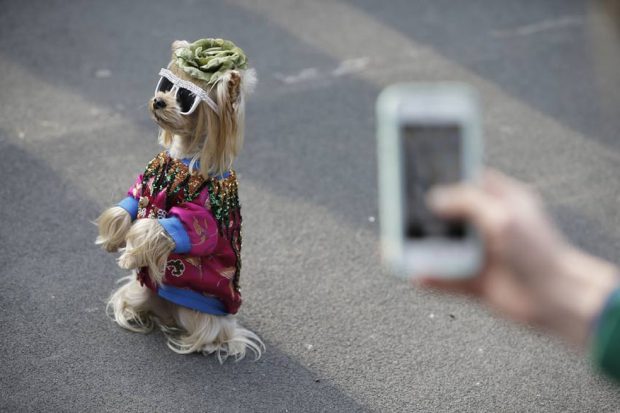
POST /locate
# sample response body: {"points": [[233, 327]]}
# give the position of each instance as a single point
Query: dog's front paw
{"points": [[148, 245], [113, 223]]}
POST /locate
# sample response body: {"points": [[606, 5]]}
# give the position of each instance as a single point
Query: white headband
{"points": [[199, 92]]}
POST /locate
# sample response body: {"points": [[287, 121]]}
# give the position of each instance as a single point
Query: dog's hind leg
{"points": [[206, 333], [137, 308]]}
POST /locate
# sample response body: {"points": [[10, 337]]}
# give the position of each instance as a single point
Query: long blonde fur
{"points": [[216, 137], [138, 309], [208, 334], [113, 223]]}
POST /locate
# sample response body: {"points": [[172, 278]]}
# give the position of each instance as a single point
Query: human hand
{"points": [[531, 273]]}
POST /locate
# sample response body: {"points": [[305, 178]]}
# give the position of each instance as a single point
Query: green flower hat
{"points": [[209, 59]]}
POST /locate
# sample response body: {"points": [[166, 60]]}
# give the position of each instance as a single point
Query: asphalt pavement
{"points": [[341, 334]]}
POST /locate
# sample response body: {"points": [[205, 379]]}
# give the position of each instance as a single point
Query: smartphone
{"points": [[427, 135]]}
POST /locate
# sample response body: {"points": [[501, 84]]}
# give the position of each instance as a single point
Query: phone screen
{"points": [[432, 155]]}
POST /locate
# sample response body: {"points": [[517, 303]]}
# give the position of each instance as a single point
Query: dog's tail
{"points": [[206, 333]]}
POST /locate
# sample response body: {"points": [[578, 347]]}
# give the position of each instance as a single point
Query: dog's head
{"points": [[200, 97]]}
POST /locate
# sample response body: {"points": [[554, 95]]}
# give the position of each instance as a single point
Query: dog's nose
{"points": [[158, 103]]}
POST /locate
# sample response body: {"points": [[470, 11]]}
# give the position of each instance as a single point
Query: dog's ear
{"points": [[179, 44], [225, 127], [229, 97], [233, 82]]}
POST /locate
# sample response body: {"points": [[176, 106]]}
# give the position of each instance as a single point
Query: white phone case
{"points": [[425, 104]]}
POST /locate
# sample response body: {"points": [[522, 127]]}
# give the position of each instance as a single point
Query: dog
{"points": [[179, 228]]}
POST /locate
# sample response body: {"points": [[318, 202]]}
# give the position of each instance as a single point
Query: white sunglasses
{"points": [[187, 94]]}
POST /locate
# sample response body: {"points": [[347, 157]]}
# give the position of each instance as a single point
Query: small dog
{"points": [[179, 229]]}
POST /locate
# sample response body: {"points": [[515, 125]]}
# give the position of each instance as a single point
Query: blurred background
{"points": [[342, 335]]}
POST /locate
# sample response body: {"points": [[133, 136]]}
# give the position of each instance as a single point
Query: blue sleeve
{"points": [[175, 229], [130, 205]]}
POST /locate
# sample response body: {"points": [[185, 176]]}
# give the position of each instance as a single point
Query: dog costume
{"points": [[203, 219]]}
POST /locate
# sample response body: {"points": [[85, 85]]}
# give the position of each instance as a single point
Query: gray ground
{"points": [[341, 334]]}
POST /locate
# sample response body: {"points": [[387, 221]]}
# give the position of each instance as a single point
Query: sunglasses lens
{"points": [[186, 100], [164, 85]]}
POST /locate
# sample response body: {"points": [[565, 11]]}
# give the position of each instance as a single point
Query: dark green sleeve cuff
{"points": [[606, 340]]}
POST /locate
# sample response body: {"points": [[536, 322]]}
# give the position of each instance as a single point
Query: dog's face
{"points": [[207, 115], [175, 108]]}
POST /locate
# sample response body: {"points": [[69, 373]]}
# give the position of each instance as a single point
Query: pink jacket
{"points": [[203, 218]]}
